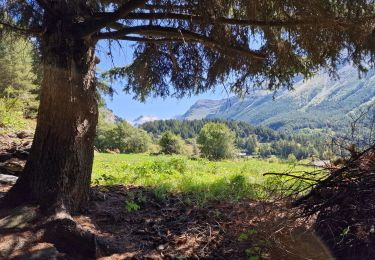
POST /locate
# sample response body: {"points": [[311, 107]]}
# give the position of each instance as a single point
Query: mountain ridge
{"points": [[315, 103]]}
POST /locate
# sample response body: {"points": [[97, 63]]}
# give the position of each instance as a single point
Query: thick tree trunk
{"points": [[58, 171]]}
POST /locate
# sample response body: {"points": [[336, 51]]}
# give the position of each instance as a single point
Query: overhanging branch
{"points": [[95, 24], [176, 34], [26, 31], [243, 22], [208, 20]]}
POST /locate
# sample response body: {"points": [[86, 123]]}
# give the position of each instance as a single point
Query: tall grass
{"points": [[201, 179]]}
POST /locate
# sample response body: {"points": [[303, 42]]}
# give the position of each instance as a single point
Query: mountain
{"points": [[319, 102], [144, 119], [107, 116], [202, 109]]}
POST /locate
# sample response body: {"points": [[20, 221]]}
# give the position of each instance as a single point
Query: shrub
{"points": [[292, 159], [139, 141], [122, 136], [251, 144], [216, 141], [11, 116], [171, 144]]}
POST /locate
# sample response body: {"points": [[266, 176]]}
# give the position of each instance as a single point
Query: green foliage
{"points": [[131, 206], [216, 141], [171, 144], [11, 116], [18, 75], [120, 135], [254, 252], [18, 83], [191, 128], [133, 201], [292, 159], [201, 180], [251, 144], [251, 139]]}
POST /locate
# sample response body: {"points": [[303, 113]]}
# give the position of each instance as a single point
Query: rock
{"points": [[25, 134], [4, 156], [8, 179], [161, 247], [12, 135], [13, 166], [21, 154], [27, 144], [14, 151], [18, 217], [43, 251], [5, 143]]}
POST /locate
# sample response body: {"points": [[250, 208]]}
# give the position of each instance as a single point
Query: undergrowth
{"points": [[200, 179]]}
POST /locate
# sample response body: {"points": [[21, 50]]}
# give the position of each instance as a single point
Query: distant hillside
{"points": [[144, 119], [320, 102], [191, 128]]}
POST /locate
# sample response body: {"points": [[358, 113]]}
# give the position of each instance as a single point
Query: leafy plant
{"points": [[254, 252], [134, 200], [161, 192], [131, 206], [104, 179]]}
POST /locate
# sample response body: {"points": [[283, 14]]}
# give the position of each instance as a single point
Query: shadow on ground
{"points": [[140, 223]]}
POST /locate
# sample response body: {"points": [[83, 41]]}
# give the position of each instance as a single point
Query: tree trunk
{"points": [[58, 171]]}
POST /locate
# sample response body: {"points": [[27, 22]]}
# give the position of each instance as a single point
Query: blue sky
{"points": [[126, 107]]}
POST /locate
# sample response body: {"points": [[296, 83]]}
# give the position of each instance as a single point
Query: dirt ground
{"points": [[141, 225]]}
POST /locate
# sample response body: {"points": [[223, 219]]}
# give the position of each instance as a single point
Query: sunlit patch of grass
{"points": [[203, 180]]}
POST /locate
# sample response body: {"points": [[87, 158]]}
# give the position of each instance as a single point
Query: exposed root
{"points": [[70, 238], [25, 228]]}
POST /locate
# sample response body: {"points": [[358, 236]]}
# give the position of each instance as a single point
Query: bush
{"points": [[251, 144], [265, 150], [122, 136], [171, 144], [292, 159], [139, 141], [11, 116], [216, 141]]}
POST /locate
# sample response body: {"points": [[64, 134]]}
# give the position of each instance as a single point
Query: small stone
{"points": [[25, 134], [5, 156], [7, 179], [18, 218]]}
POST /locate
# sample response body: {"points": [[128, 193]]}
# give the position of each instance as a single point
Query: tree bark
{"points": [[58, 171]]}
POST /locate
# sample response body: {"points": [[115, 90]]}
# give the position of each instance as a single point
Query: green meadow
{"points": [[200, 179]]}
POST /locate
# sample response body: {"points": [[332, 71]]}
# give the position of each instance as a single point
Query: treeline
{"points": [[253, 140], [190, 129]]}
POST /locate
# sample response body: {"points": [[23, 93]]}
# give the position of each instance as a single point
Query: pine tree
{"points": [[182, 47]]}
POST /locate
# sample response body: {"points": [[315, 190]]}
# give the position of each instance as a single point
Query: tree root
{"points": [[70, 238], [58, 229], [18, 195]]}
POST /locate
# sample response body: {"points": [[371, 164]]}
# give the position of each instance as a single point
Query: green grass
{"points": [[201, 179]]}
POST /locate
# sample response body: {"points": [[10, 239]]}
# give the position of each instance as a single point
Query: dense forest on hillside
{"points": [[253, 139], [191, 128]]}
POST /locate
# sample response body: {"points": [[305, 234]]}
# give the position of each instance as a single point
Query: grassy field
{"points": [[201, 179]]}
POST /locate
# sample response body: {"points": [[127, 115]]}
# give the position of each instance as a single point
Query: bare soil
{"points": [[172, 228]]}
